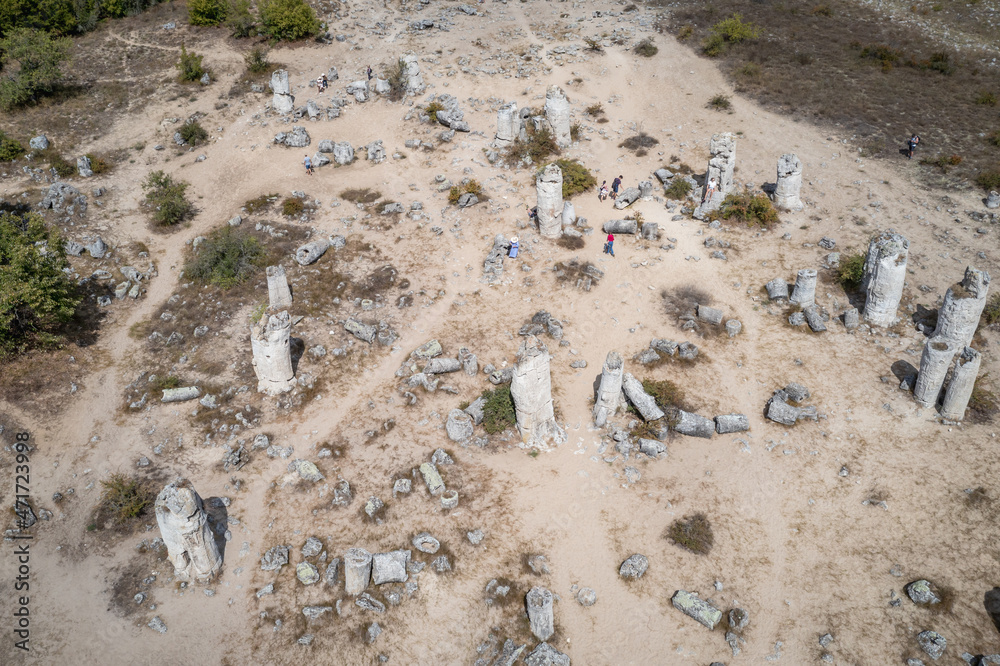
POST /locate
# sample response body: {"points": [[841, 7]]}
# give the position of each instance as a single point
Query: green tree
{"points": [[36, 296], [240, 20], [190, 65], [207, 12], [165, 196], [287, 19], [56, 16], [39, 57]]}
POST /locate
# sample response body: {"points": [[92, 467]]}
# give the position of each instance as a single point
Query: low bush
{"points": [[667, 394], [750, 72], [646, 48], [189, 66], [685, 33], [261, 203], [986, 98], [498, 412], [574, 131], [720, 103], [994, 138], [39, 59], [850, 271], [594, 44], [292, 207], [256, 60], [361, 195], [540, 145], [193, 132], [595, 109], [432, 110], [123, 498], [228, 257], [396, 76], [99, 164], [692, 533], [63, 167], [943, 162], [240, 20], [166, 199], [472, 186], [207, 12], [639, 141], [287, 20], [991, 312], [576, 178], [10, 149], [732, 30], [755, 210], [988, 180], [883, 54], [678, 189]]}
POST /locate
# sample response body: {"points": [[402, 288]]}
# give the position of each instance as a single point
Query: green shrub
{"points": [[64, 168], [939, 62], [292, 207], [36, 296], [666, 394], [166, 199], [228, 257], [432, 110], [256, 60], [639, 141], [646, 48], [396, 76], [193, 132], [991, 313], [240, 20], [685, 33], [287, 20], [10, 149], [99, 164], [988, 180], [729, 31], [263, 202], [750, 71], [540, 145], [692, 533], [189, 66], [362, 195], [850, 271], [574, 131], [576, 178], [54, 16], [470, 187], [986, 98], [943, 162], [994, 138], [39, 59], [498, 412], [755, 210], [883, 54], [678, 189], [207, 12], [123, 498], [720, 103]]}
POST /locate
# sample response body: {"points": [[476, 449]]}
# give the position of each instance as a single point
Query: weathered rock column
{"points": [[958, 316], [283, 101], [548, 187], [531, 389], [934, 364], [191, 548], [804, 293], [883, 277], [788, 184], [720, 167], [357, 570], [508, 125], [272, 353], [609, 395], [414, 81], [279, 296], [963, 380], [643, 402], [540, 612], [557, 113]]}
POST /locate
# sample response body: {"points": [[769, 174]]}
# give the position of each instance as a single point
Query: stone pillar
{"points": [[540, 612], [414, 81], [958, 316], [357, 570], [883, 277], [720, 167], [548, 187], [788, 184], [568, 214], [934, 364], [531, 389], [508, 125], [283, 101], [804, 293], [191, 548], [609, 395], [278, 294], [557, 113], [963, 380], [272, 353]]}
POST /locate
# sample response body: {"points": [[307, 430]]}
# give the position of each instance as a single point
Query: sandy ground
{"points": [[795, 544]]}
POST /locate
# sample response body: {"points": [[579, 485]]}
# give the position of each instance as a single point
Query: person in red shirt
{"points": [[609, 247]]}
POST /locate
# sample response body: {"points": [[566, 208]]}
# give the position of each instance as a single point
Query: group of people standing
{"points": [[602, 194]]}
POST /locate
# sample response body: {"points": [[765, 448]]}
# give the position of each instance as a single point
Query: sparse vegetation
{"points": [[986, 98], [991, 312], [471, 186], [498, 412], [256, 60], [749, 72], [574, 131], [692, 533], [646, 48], [207, 12], [943, 162], [292, 207], [595, 110], [667, 394], [432, 110], [261, 203], [36, 296], [720, 102], [989, 180], [123, 498], [240, 20], [396, 76], [685, 33], [64, 168], [193, 133], [594, 44], [190, 66], [39, 59], [639, 141], [287, 20], [10, 149], [228, 257], [99, 164], [732, 30], [822, 10], [361, 195], [850, 271], [993, 138], [754, 210], [540, 145], [885, 55], [165, 197], [983, 404], [576, 177], [678, 189]]}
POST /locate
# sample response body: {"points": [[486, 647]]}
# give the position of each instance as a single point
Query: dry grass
{"points": [[692, 533]]}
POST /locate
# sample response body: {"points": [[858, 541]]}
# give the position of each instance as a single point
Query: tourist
{"points": [[615, 184], [513, 247], [911, 146], [609, 247], [369, 72], [709, 190], [309, 165], [602, 194]]}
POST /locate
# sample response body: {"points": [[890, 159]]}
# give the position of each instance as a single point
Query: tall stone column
{"points": [[531, 389], [180, 514], [883, 277], [548, 188], [963, 380], [609, 395], [272, 353], [934, 364], [540, 613], [557, 113], [804, 293], [720, 167], [788, 183], [283, 101], [508, 125], [279, 296], [958, 316]]}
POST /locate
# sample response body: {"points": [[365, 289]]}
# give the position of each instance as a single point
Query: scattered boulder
{"points": [[932, 643], [310, 252], [459, 425], [702, 611], [546, 655], [922, 592], [390, 567], [363, 332], [297, 138], [693, 425], [634, 567], [727, 423]]}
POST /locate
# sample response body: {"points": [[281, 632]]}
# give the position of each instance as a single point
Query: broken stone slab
{"points": [[156, 624], [620, 227], [390, 567], [432, 478], [814, 318], [180, 394], [343, 153], [643, 402], [509, 653], [709, 315], [687, 351], [306, 470], [275, 558], [652, 448], [183, 522], [733, 327], [779, 411], [664, 346], [359, 89], [650, 231], [459, 425], [364, 332], [546, 655], [425, 543], [310, 253], [475, 410], [539, 602], [634, 567], [627, 198], [932, 643], [440, 366], [727, 423], [609, 394], [312, 547], [469, 362], [804, 293], [509, 125], [297, 138], [851, 319], [61, 197], [698, 609], [278, 294], [315, 612], [307, 573], [357, 570], [693, 425], [993, 200]]}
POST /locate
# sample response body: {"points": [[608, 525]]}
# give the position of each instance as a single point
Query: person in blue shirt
{"points": [[514, 247]]}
